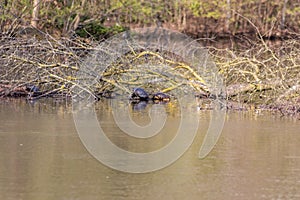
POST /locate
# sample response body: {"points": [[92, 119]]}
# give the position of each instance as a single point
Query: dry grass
{"points": [[263, 75]]}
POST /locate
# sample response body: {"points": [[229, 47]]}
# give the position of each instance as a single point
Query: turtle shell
{"points": [[139, 93], [32, 88], [161, 97]]}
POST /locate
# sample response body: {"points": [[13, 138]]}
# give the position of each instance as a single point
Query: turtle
{"points": [[139, 94], [160, 96], [32, 88]]}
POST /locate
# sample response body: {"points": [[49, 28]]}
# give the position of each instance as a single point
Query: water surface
{"points": [[42, 157]]}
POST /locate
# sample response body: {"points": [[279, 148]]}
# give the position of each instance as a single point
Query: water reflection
{"points": [[41, 157], [139, 105]]}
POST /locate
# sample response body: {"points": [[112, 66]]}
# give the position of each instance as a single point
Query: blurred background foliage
{"points": [[199, 18]]}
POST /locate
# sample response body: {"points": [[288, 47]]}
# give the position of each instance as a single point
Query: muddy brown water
{"points": [[42, 157]]}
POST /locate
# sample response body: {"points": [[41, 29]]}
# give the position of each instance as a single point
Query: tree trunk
{"points": [[35, 13], [282, 24], [228, 15]]}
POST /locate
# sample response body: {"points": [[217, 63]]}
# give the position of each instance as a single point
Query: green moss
{"points": [[97, 30]]}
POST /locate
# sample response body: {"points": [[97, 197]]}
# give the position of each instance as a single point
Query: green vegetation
{"points": [[199, 18]]}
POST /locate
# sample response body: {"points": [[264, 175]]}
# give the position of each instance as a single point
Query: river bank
{"points": [[260, 74]]}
